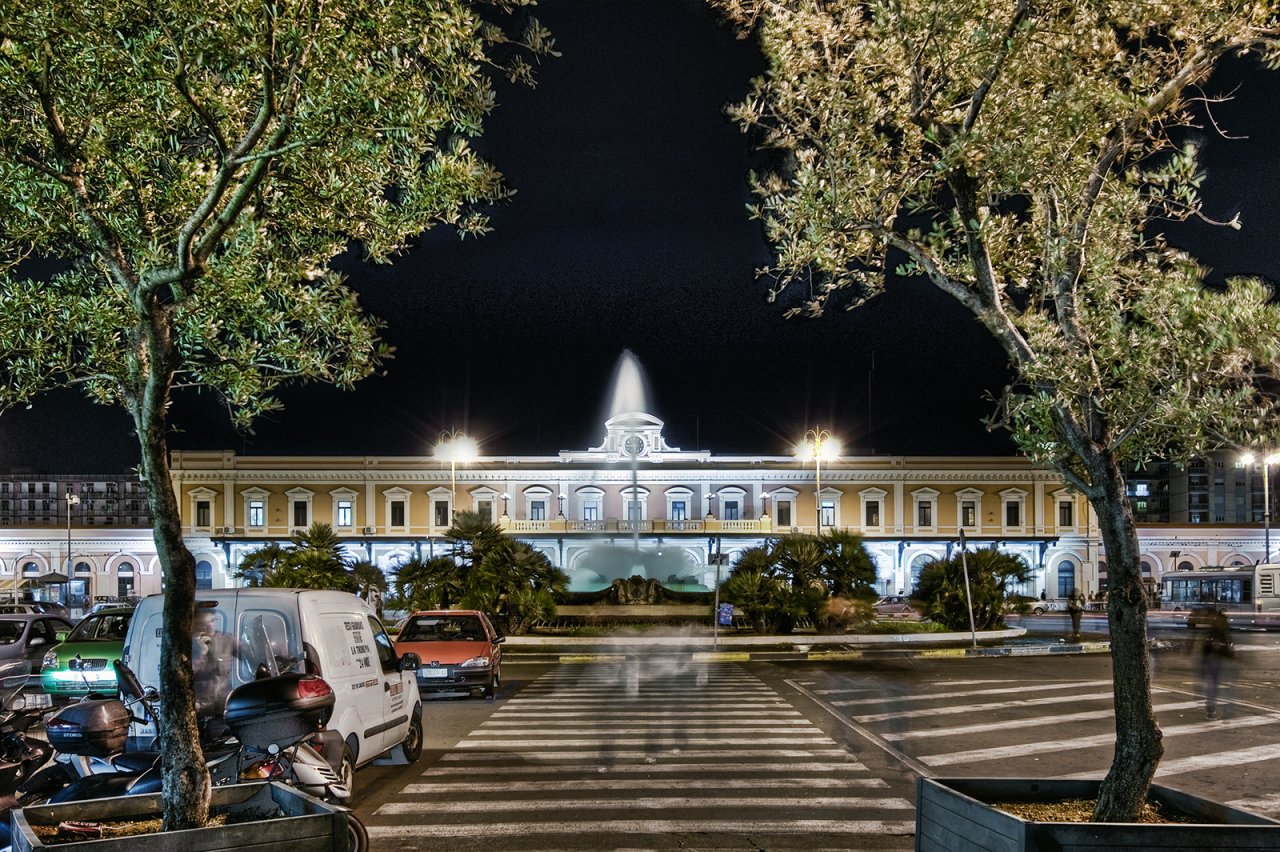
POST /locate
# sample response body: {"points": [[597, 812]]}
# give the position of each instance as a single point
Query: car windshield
{"points": [[101, 627], [11, 630], [442, 628]]}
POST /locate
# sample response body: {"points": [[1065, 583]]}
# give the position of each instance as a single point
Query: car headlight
{"points": [[475, 663], [51, 660]]}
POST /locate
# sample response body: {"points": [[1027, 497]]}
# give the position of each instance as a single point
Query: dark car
{"points": [[29, 636], [459, 651]]}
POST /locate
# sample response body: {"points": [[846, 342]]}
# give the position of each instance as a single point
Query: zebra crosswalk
{"points": [[595, 757], [999, 727]]}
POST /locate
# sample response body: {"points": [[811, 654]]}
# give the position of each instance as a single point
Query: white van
{"points": [[333, 634]]}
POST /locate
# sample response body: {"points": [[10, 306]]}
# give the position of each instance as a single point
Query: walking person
{"points": [[1218, 648], [1075, 606]]}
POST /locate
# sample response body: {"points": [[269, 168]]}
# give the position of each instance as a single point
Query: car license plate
{"points": [[428, 673]]}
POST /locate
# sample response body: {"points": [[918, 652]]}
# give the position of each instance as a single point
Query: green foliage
{"points": [[315, 561], [795, 577], [191, 169], [434, 583], [1033, 143], [993, 579], [204, 163], [508, 578], [1019, 157]]}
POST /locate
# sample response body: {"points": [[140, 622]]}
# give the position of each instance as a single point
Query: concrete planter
{"points": [[283, 819], [953, 815]]}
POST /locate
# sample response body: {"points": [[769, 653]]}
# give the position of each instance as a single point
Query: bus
{"points": [[1253, 588]]}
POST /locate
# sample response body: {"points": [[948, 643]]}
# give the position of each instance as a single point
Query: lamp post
{"points": [[72, 500], [506, 498], [455, 447], [560, 497], [1266, 462], [818, 445]]}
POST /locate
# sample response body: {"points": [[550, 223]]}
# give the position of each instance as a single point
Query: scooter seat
{"points": [[135, 761]]}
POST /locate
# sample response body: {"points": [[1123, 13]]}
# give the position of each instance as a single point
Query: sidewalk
{"points": [[701, 645]]}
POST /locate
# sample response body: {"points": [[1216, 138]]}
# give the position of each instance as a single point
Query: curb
{"points": [[641, 652]]}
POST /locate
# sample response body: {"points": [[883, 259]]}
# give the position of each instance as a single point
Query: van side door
{"points": [[397, 703]]}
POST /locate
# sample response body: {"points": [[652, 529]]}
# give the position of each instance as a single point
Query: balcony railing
{"points": [[564, 525]]}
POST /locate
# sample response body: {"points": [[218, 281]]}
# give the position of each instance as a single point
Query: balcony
{"points": [[665, 527]]}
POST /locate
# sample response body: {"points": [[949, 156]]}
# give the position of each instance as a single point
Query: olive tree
{"points": [[1019, 157], [192, 168]]}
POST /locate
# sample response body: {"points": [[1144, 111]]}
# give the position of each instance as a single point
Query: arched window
{"points": [[1066, 578], [30, 569], [917, 565], [204, 575], [124, 574], [83, 568]]}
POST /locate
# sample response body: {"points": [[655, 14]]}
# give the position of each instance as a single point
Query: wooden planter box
{"points": [[953, 815], [282, 819]]}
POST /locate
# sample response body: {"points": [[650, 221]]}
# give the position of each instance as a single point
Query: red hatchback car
{"points": [[459, 649]]}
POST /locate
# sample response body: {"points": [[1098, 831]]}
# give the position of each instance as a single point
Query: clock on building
{"points": [[633, 445]]}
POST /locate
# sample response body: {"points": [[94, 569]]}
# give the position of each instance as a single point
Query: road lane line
{"points": [[459, 787], [655, 741], [867, 734], [639, 803], [956, 709], [798, 827], [1040, 720], [927, 696], [687, 754], [1001, 752]]}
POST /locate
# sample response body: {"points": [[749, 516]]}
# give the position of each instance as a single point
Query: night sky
{"points": [[628, 230]]}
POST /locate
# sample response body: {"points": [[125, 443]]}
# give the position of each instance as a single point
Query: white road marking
{"points": [[1045, 720], [901, 828], [639, 803], [1021, 689], [1217, 759], [956, 709], [676, 754], [654, 741], [595, 782]]}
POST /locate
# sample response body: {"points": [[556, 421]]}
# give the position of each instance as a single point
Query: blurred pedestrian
{"points": [[1075, 606], [1218, 648]]}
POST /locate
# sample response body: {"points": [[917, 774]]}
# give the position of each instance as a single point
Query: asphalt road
{"points": [[668, 753]]}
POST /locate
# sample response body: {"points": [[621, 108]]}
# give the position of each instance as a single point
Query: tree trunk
{"points": [[1138, 738], [186, 789]]}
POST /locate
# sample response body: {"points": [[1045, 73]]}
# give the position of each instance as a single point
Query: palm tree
{"points": [[516, 582], [433, 583], [993, 576], [259, 567]]}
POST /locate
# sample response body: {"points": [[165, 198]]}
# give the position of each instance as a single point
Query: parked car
{"points": [[25, 637], [459, 651], [896, 606], [83, 662], [36, 607], [265, 632]]}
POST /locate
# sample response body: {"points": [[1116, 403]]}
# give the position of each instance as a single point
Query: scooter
{"points": [[270, 721]]}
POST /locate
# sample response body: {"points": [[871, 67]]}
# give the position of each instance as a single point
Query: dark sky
{"points": [[628, 230]]}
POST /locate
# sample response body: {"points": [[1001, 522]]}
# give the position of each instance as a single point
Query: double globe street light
{"points": [[1266, 461], [455, 447], [818, 445]]}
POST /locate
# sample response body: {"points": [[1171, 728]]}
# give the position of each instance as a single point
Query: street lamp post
{"points": [[506, 498], [72, 500], [561, 497], [456, 447], [1266, 462], [818, 445]]}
